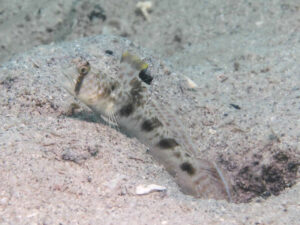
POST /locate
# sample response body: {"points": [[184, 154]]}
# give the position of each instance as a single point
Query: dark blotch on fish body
{"points": [[149, 125], [187, 167], [167, 143], [127, 110]]}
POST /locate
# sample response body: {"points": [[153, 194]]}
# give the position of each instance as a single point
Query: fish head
{"points": [[91, 85]]}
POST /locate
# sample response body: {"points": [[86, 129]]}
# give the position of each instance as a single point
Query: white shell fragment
{"points": [[144, 8], [143, 189], [190, 83]]}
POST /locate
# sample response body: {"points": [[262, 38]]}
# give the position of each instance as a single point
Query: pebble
{"points": [[146, 189]]}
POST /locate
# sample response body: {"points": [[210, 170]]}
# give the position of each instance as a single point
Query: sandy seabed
{"points": [[58, 168]]}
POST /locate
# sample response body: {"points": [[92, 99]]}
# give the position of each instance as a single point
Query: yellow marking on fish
{"points": [[133, 60]]}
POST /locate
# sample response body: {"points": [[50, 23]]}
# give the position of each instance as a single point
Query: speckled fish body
{"points": [[122, 90]]}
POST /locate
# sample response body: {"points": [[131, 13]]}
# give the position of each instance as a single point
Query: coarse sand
{"points": [[62, 167]]}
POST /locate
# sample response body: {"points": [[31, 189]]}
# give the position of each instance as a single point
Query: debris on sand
{"points": [[144, 8], [147, 189]]}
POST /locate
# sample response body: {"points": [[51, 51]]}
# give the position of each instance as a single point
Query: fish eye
{"points": [[84, 68]]}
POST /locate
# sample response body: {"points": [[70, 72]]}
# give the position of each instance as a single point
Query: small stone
{"points": [[143, 190]]}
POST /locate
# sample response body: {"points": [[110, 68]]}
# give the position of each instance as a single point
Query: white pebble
{"points": [[190, 83], [143, 190]]}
